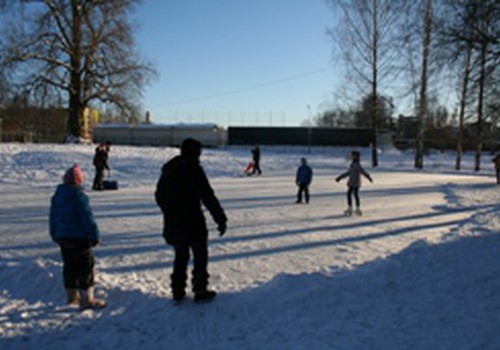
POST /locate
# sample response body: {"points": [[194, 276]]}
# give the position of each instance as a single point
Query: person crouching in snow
{"points": [[303, 179], [354, 183], [72, 226]]}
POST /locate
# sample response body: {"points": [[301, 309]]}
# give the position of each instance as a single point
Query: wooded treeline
{"points": [[414, 53]]}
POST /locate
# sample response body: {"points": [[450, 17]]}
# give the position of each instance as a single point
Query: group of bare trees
{"points": [[75, 53], [365, 38], [360, 115], [409, 46], [473, 43]]}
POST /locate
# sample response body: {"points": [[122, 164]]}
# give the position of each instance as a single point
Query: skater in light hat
{"points": [[354, 183]]}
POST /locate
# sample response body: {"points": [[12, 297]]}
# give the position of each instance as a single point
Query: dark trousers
{"points": [[498, 176], [78, 265], [353, 191], [200, 262], [99, 177], [256, 167], [303, 188]]}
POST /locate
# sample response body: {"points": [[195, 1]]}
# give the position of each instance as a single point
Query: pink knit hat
{"points": [[73, 176]]}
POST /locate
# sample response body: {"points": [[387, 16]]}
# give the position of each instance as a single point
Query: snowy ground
{"points": [[420, 270]]}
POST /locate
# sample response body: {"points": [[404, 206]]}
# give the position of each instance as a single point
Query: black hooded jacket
{"points": [[181, 189]]}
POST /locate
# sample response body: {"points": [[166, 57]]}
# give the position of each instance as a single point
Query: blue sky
{"points": [[237, 62]]}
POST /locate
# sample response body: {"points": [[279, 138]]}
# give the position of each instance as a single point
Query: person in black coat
{"points": [[496, 162], [256, 160], [100, 163], [181, 189]]}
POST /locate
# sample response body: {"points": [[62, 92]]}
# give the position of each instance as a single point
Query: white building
{"points": [[210, 135]]}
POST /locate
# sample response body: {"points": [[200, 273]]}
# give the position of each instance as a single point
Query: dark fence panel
{"points": [[299, 136]]}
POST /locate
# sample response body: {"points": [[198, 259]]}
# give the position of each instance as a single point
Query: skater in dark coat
{"points": [[181, 189], [354, 183], [303, 179], [496, 162], [73, 227], [256, 160], [100, 164]]}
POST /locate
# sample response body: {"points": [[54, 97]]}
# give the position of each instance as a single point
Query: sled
{"points": [[110, 185], [249, 168]]}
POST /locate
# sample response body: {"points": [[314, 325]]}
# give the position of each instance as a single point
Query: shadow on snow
{"points": [[426, 296]]}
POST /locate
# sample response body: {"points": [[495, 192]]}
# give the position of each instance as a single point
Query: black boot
{"points": [[204, 296], [178, 284], [200, 283], [179, 295]]}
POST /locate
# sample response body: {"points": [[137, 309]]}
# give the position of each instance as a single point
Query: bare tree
{"points": [[487, 41], [83, 49], [422, 107], [335, 117], [463, 102], [3, 88], [453, 26], [364, 112], [473, 33], [366, 38]]}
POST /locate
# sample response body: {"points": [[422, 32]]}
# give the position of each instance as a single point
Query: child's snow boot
{"points": [[358, 211], [348, 212], [88, 301], [73, 296]]}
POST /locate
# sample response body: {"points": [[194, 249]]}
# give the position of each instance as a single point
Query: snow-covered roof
{"points": [[160, 126]]}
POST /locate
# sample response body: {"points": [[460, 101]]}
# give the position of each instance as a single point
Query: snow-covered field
{"points": [[420, 270]]}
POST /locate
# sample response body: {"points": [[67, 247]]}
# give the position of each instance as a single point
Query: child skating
{"points": [[73, 227], [303, 179], [354, 183]]}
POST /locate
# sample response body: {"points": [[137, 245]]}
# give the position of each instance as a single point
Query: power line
{"points": [[249, 88]]}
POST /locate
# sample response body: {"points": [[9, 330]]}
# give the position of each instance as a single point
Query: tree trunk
{"points": [[422, 108], [374, 85], [463, 100], [75, 92], [482, 75]]}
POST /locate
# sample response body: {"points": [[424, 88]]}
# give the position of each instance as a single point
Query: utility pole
{"points": [[309, 129]]}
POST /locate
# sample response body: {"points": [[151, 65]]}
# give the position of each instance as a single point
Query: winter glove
{"points": [[94, 243], [222, 228], [337, 179]]}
